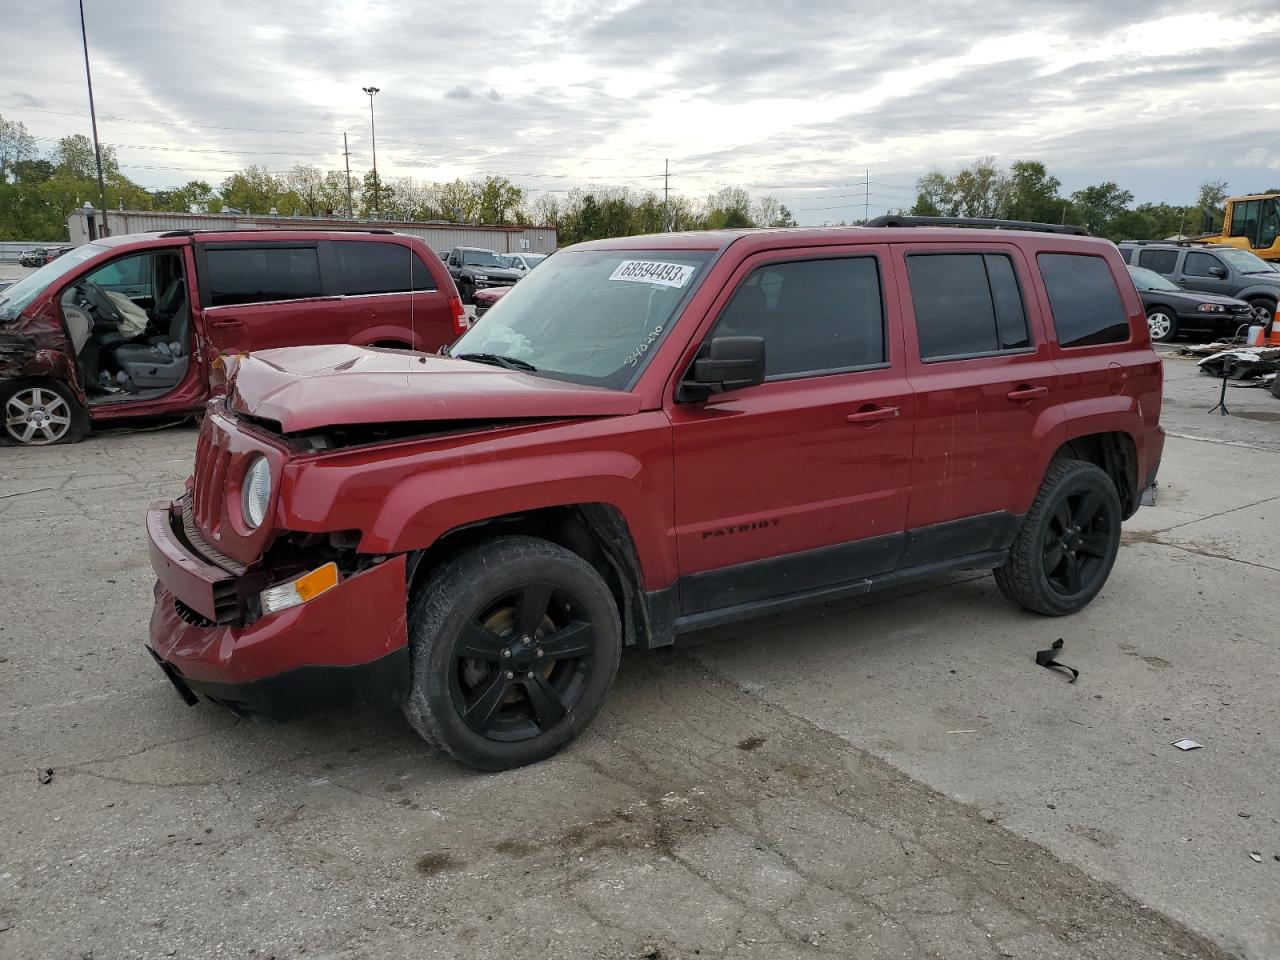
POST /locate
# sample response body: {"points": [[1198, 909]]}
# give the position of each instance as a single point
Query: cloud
{"points": [[793, 99]]}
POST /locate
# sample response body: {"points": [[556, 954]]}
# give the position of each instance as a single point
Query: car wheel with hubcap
{"points": [[1264, 311], [41, 412], [1163, 324], [514, 645], [1067, 543]]}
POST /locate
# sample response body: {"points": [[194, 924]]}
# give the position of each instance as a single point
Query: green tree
{"points": [[16, 146], [251, 190], [1211, 206], [498, 199], [1098, 205], [195, 194], [729, 207], [73, 157], [1032, 193]]}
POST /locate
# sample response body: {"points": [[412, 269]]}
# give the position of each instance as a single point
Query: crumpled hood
{"points": [[304, 388]]}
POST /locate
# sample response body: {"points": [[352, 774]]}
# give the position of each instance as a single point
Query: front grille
{"points": [[197, 539], [212, 460]]}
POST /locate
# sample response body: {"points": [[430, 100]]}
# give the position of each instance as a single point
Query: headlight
{"points": [[255, 492], [481, 276], [1211, 308]]}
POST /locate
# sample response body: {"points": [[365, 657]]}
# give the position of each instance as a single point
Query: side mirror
{"points": [[724, 363], [1219, 272]]}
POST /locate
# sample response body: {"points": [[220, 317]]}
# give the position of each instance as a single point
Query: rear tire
{"points": [[38, 413], [467, 292], [1067, 544], [1162, 323], [515, 645]]}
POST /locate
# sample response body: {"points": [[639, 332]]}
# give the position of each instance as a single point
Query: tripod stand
{"points": [[1221, 405]]}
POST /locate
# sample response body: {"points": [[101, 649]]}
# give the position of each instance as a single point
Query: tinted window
{"points": [[1126, 254], [1244, 217], [965, 304], [814, 315], [129, 272], [261, 275], [1161, 261], [1199, 264], [366, 267], [1084, 299]]}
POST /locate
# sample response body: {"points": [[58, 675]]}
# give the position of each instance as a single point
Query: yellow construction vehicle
{"points": [[1252, 223]]}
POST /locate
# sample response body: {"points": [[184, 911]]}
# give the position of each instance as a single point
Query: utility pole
{"points": [[373, 134], [346, 156], [866, 202], [93, 119], [666, 194]]}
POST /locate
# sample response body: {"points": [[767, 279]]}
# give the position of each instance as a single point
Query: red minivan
{"points": [[130, 326]]}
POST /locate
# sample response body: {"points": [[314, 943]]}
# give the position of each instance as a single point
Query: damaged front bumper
{"points": [[349, 644]]}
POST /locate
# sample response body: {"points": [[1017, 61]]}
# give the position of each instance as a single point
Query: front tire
{"points": [[1067, 544], [515, 645], [467, 292], [1264, 311], [1163, 324], [41, 413]]}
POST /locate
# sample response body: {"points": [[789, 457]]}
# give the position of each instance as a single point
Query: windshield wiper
{"points": [[497, 360]]}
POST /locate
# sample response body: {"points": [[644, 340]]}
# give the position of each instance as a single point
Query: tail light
{"points": [[459, 314]]}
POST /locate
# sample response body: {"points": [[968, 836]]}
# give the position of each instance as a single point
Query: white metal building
{"points": [[439, 236]]}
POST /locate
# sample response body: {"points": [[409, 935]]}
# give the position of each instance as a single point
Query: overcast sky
{"points": [[793, 99]]}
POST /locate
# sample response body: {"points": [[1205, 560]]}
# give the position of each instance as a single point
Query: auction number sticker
{"points": [[653, 271]]}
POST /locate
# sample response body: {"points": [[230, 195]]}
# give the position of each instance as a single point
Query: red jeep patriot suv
{"points": [[648, 436]]}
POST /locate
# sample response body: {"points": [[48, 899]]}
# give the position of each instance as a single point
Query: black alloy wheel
{"points": [[521, 663], [1076, 550], [514, 645]]}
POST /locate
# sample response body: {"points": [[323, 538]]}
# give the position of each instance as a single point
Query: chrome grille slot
{"points": [[201, 545]]}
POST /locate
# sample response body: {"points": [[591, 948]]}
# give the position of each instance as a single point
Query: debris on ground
{"points": [[1046, 658], [45, 775], [1255, 857], [1241, 363], [1187, 744]]}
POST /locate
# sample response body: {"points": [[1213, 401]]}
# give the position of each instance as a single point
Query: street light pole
{"points": [[373, 134], [93, 119]]}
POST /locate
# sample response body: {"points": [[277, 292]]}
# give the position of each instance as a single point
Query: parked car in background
{"points": [[132, 325], [484, 299], [1172, 310], [1211, 268], [524, 262], [474, 268], [35, 257], [651, 436]]}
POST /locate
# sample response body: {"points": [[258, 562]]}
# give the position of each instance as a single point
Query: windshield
{"points": [[15, 299], [1245, 262], [1145, 279], [482, 258], [591, 316]]}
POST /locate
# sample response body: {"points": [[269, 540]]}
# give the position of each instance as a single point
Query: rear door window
{"points": [[966, 304], [1161, 261], [1084, 299], [262, 274], [816, 316], [368, 267]]}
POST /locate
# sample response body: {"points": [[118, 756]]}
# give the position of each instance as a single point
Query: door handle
{"points": [[872, 414], [225, 322], [1027, 392]]}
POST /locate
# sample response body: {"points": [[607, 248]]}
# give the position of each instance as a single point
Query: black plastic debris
{"points": [[45, 775], [1046, 658]]}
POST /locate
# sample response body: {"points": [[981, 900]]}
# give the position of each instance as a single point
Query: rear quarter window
{"points": [[1084, 299], [368, 267], [1161, 261]]}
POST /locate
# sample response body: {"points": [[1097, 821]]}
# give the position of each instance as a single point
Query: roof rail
{"points": [[192, 233], [894, 220]]}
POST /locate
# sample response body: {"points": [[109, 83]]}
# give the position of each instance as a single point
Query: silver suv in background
{"points": [[1210, 268]]}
